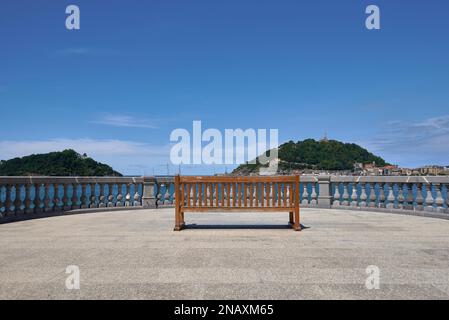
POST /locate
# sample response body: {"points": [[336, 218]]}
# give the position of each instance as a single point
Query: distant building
{"points": [[432, 170]]}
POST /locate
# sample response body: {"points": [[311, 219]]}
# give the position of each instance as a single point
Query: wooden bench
{"points": [[229, 193]]}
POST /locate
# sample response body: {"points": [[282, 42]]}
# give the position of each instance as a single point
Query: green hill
{"points": [[65, 163], [320, 155]]}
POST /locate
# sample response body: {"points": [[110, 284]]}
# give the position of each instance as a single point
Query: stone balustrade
{"points": [[30, 197]]}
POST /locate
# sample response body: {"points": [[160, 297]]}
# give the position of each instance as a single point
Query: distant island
{"points": [[322, 155], [65, 163]]}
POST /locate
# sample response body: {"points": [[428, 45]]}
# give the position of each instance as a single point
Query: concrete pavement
{"points": [[136, 255]]}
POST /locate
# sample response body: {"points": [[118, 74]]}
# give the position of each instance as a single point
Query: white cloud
{"points": [[127, 157], [414, 143], [120, 120]]}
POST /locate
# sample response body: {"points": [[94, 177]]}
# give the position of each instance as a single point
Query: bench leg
{"points": [[178, 221], [290, 221], [183, 223], [297, 224]]}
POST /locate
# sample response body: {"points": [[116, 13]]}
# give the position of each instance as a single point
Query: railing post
{"points": [[325, 197], [148, 197]]}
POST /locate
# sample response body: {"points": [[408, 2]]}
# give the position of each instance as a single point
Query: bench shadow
{"points": [[240, 226]]}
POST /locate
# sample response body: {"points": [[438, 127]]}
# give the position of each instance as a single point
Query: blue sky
{"points": [[136, 70]]}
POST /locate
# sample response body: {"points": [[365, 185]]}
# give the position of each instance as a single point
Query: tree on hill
{"points": [[65, 163], [319, 155]]}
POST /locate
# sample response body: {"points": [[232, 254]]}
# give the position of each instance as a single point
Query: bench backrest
{"points": [[235, 192]]}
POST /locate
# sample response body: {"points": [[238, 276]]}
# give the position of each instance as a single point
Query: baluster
{"points": [[159, 193], [419, 198], [314, 195], [363, 196], [111, 197], [18, 200], [401, 197], [65, 198], [137, 199], [57, 199], [409, 200], [305, 194], [75, 204], [28, 201], [93, 200], [37, 198], [439, 201], [391, 198], [47, 200], [337, 197], [429, 198], [128, 195], [119, 201], [1, 202], [83, 198], [354, 196], [345, 199], [381, 203], [102, 199], [447, 198], [8, 200], [372, 195]]}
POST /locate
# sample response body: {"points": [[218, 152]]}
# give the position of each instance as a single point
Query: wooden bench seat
{"points": [[238, 194]]}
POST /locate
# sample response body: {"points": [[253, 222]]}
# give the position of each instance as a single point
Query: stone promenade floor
{"points": [[136, 255]]}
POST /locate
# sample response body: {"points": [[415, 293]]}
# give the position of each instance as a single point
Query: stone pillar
{"points": [[325, 197], [148, 197]]}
